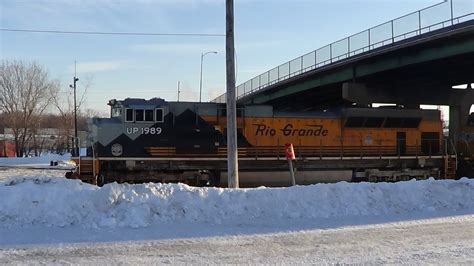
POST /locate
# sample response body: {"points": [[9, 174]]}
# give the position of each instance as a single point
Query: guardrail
{"points": [[425, 20]]}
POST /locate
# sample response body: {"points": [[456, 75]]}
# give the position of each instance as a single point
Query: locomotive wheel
{"points": [[68, 175], [215, 178], [205, 179], [211, 180], [100, 179]]}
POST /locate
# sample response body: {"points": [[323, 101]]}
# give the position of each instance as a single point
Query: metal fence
{"points": [[425, 20]]}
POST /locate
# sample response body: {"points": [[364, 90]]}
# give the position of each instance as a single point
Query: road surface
{"points": [[448, 240]]}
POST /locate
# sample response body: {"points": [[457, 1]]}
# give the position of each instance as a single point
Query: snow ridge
{"points": [[54, 202]]}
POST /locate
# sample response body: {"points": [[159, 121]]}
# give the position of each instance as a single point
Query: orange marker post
{"points": [[290, 156]]}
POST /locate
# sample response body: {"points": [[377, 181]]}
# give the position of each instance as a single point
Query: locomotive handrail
{"points": [[455, 153], [310, 151], [93, 162]]}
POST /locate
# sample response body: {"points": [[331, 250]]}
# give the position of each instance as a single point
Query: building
{"points": [[52, 140], [7, 148]]}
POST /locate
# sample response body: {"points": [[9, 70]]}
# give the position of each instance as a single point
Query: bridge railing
{"points": [[425, 20]]}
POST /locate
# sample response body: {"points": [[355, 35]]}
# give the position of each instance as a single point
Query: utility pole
{"points": [[76, 144], [232, 156]]}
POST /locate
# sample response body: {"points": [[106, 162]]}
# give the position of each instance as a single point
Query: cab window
{"points": [[159, 115], [128, 115], [139, 115], [116, 112], [149, 116]]}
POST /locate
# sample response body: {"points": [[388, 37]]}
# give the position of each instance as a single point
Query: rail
{"points": [[425, 20]]}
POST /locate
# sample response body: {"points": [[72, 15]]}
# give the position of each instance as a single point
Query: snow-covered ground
{"points": [[40, 162], [47, 219]]}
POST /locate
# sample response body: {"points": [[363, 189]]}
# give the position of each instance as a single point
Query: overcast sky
{"points": [[268, 33]]}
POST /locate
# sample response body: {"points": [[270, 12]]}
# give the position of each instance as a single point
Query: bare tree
{"points": [[63, 101], [25, 93], [95, 113]]}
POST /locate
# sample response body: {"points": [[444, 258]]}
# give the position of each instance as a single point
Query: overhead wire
{"points": [[113, 33]]}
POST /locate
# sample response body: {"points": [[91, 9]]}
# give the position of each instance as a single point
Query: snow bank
{"points": [[59, 202]]}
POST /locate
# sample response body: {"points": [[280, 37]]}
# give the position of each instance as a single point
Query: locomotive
{"points": [[159, 141]]}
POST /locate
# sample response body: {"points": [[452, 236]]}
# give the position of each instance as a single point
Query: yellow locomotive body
{"points": [[337, 134]]}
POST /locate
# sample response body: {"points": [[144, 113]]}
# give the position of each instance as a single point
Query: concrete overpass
{"points": [[417, 66]]}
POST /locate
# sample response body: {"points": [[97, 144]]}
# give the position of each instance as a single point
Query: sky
{"points": [[267, 34]]}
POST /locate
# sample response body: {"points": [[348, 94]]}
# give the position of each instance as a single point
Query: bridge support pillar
{"points": [[459, 109], [356, 92]]}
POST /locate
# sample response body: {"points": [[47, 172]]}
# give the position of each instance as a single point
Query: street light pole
{"points": [[178, 91], [76, 150], [200, 80], [452, 14]]}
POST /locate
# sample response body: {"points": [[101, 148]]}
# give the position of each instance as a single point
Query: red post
{"points": [[289, 151], [290, 156]]}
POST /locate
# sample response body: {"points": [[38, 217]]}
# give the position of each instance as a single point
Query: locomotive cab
{"points": [[135, 110]]}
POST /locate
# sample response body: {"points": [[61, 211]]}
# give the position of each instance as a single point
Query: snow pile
{"points": [[59, 202]]}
